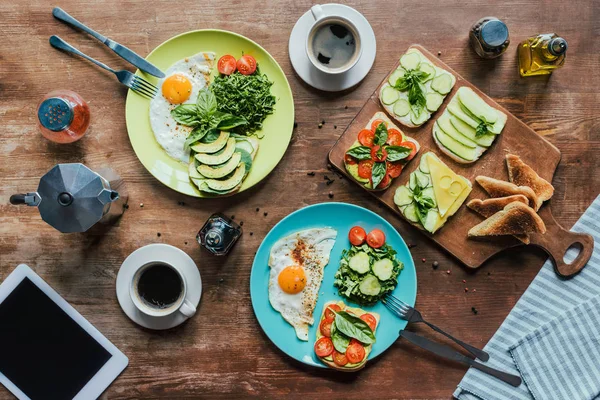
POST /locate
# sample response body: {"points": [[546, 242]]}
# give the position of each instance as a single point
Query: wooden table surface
{"points": [[222, 352]]}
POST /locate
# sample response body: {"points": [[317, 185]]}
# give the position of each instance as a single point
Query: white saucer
{"points": [[157, 252], [319, 79]]}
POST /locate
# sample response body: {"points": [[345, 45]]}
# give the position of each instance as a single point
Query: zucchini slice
{"points": [[457, 148], [360, 262], [410, 61], [389, 95], [469, 132], [403, 196], [383, 269], [401, 107], [442, 83]]}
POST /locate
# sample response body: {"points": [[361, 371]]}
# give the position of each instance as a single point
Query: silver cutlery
{"points": [[132, 81], [122, 51], [408, 313]]}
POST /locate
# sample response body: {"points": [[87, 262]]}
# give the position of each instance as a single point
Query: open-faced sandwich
{"points": [[380, 153], [416, 89], [432, 195], [345, 336]]}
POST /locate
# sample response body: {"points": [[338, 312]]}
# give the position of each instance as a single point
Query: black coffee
{"points": [[333, 45], [160, 285]]}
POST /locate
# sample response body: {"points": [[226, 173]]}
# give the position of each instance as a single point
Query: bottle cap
{"points": [[557, 46], [55, 114], [494, 33]]}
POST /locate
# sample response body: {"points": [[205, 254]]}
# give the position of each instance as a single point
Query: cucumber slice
{"points": [[444, 124], [422, 179], [389, 95], [469, 113], [442, 83], [410, 61], [412, 181], [433, 101], [499, 124], [397, 74], [428, 69], [410, 213], [370, 285], [401, 108], [360, 262], [476, 105], [403, 196], [428, 192], [454, 108], [419, 119], [457, 148], [423, 165], [432, 220], [383, 269], [469, 132]]}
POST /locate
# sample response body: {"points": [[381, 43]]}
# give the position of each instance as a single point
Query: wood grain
{"points": [[221, 352]]}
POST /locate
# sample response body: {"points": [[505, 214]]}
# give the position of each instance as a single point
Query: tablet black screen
{"points": [[43, 351]]}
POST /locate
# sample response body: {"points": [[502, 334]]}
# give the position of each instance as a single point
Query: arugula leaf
{"points": [[206, 103], [354, 327], [230, 122], [482, 129], [360, 152], [381, 135], [397, 153], [186, 114], [378, 173], [340, 341]]}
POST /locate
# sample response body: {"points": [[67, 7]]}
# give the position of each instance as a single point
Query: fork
{"points": [[408, 313], [132, 81]]}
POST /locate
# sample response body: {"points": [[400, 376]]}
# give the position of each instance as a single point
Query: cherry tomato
{"points": [[246, 65], [357, 235], [394, 169], [385, 182], [412, 153], [365, 168], [370, 320], [378, 153], [226, 65], [376, 123], [355, 351], [376, 238], [394, 137], [349, 160], [325, 328], [323, 347], [366, 137], [339, 359], [329, 312]]}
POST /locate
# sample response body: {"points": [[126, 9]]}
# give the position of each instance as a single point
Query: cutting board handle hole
{"points": [[572, 252]]}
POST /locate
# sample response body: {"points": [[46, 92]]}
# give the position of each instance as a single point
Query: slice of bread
{"points": [[522, 174], [515, 219], [489, 207], [498, 188]]}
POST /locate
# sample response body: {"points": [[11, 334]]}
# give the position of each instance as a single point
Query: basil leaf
{"points": [[231, 122], [186, 114], [206, 103], [210, 135], [397, 153], [381, 135], [340, 341], [195, 135], [481, 130], [360, 152], [402, 84], [354, 327], [378, 173]]}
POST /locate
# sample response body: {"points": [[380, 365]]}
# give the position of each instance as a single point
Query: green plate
{"points": [[277, 128]]}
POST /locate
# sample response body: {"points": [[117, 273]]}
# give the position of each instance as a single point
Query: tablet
{"points": [[47, 349]]}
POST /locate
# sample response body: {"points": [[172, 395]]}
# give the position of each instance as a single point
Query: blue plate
{"points": [[341, 217]]}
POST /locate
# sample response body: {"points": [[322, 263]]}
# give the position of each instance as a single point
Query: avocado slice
{"points": [[192, 172], [221, 170], [213, 146], [220, 156], [229, 183]]}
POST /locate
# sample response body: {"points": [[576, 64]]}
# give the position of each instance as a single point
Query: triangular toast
{"points": [[498, 188], [522, 174], [515, 219], [489, 207]]}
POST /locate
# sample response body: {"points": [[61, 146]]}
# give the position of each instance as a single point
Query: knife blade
{"points": [[122, 51], [451, 354]]}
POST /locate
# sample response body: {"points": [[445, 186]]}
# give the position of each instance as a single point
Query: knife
{"points": [[451, 354], [121, 50]]}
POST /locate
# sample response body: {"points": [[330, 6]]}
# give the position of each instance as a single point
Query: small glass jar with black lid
{"points": [[489, 37]]}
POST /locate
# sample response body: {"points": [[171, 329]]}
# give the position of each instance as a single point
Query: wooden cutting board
{"points": [[516, 138]]}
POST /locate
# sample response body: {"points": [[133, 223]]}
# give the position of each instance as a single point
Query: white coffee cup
{"points": [[322, 18], [182, 305]]}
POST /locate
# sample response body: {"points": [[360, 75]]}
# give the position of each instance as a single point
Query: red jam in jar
{"points": [[63, 116]]}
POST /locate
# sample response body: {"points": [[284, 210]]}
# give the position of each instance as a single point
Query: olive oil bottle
{"points": [[541, 54]]}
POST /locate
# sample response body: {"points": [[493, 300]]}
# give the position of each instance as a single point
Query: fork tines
{"points": [[143, 87], [396, 305]]}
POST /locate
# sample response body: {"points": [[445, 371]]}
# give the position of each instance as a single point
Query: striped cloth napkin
{"points": [[538, 326]]}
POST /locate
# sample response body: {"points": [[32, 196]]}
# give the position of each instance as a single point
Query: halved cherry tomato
{"points": [[246, 65], [376, 123], [366, 137], [348, 159], [365, 168], [329, 312], [323, 347], [378, 153], [325, 328], [412, 146], [370, 320], [339, 359], [385, 182], [394, 137], [394, 169], [357, 235], [376, 238], [355, 351], [226, 65]]}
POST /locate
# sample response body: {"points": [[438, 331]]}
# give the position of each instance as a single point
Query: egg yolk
{"points": [[292, 279], [177, 89]]}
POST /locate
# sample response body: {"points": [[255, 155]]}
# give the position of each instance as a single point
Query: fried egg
{"points": [[297, 262], [181, 85]]}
